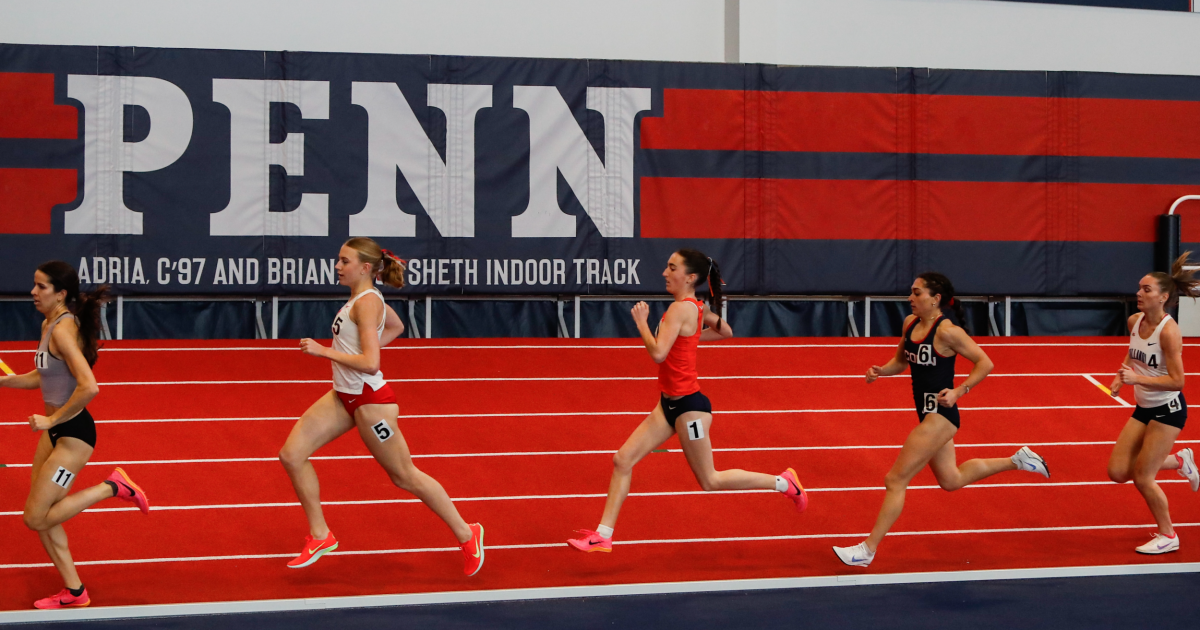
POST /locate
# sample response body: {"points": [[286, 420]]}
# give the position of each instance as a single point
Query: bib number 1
{"points": [[382, 430], [695, 430]]}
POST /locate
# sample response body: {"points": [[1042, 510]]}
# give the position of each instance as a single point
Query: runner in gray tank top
{"points": [[1154, 366], [63, 371]]}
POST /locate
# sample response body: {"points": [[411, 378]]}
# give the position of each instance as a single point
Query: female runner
{"points": [[1154, 366], [362, 398], [681, 408], [932, 441], [63, 362]]}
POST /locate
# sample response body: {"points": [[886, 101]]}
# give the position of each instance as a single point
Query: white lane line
{"points": [[747, 449], [605, 347], [558, 497], [1107, 391], [513, 379], [567, 414], [660, 541], [573, 592]]}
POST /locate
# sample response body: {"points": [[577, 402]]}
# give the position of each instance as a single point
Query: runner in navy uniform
{"points": [[930, 346], [1154, 366]]}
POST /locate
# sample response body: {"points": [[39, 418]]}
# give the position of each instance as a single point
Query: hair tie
{"points": [[388, 254], [951, 303]]}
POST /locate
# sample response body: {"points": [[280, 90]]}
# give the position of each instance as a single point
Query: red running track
{"points": [[521, 434]]}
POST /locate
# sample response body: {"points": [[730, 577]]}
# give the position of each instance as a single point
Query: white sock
{"points": [[781, 484], [604, 531]]}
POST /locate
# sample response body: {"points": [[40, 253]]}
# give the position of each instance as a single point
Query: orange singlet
{"points": [[677, 375]]}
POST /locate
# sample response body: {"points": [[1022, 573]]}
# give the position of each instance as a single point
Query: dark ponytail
{"points": [[706, 270], [937, 284], [85, 306], [1180, 282]]}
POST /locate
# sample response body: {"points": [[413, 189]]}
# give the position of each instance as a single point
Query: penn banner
{"points": [[163, 171]]}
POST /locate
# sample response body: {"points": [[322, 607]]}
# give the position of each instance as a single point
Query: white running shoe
{"points": [[1188, 469], [856, 556], [1160, 544], [1027, 460]]}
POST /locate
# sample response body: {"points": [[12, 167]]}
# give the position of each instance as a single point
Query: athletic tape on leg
{"points": [[382, 430], [695, 430], [63, 477]]}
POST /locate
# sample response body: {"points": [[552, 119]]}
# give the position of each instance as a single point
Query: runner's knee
{"points": [[35, 522]]}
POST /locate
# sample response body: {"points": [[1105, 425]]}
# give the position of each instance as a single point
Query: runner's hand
{"points": [[309, 346], [640, 312], [1127, 376], [873, 373]]}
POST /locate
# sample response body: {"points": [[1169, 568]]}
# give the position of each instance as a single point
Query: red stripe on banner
{"points": [[27, 195], [871, 209], [27, 108], [736, 120], [1136, 128], [986, 125], [842, 209], [685, 207], [698, 119]]}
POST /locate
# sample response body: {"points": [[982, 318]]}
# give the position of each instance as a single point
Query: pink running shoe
{"points": [[591, 541], [313, 550], [129, 491], [473, 551], [64, 599], [795, 491]]}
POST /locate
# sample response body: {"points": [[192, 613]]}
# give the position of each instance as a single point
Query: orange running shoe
{"points": [[591, 541], [795, 491], [64, 599], [129, 491], [313, 550], [473, 550]]}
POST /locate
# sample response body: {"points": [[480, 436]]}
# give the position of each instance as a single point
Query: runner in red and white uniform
{"points": [[682, 409], [1154, 366], [361, 398]]}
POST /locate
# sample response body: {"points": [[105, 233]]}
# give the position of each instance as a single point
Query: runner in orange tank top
{"points": [[681, 409]]}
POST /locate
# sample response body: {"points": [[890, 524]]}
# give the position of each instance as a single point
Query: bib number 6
{"points": [[931, 403], [382, 430]]}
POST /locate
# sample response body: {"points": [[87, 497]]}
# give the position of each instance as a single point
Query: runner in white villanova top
{"points": [[362, 398], [1154, 366]]}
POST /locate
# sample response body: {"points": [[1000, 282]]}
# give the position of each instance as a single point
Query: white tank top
{"points": [[345, 339], [1146, 357]]}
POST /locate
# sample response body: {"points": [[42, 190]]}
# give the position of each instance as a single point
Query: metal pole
{"points": [[850, 315], [104, 322], [428, 317], [867, 317], [275, 317], [576, 316], [1007, 316], [120, 317]]}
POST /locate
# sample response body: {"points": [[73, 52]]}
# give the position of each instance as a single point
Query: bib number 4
{"points": [[1174, 405]]}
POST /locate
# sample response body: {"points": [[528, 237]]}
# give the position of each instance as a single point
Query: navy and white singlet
{"points": [[931, 372]]}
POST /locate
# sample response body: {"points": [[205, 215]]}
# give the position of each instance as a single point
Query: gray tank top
{"points": [[57, 381]]}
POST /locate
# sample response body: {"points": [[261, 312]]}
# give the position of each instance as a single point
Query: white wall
{"points": [[669, 30], [970, 34], [979, 34]]}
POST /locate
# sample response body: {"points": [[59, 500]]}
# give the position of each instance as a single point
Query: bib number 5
{"points": [[382, 430]]}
